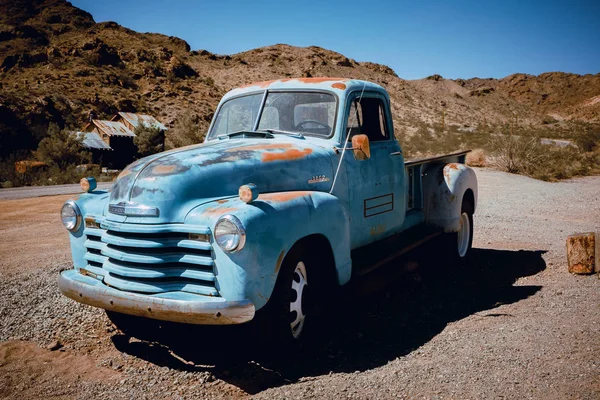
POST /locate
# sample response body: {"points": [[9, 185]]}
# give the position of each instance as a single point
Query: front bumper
{"points": [[206, 311]]}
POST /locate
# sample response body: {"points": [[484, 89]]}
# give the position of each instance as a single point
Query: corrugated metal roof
{"points": [[113, 128], [92, 140], [146, 120]]}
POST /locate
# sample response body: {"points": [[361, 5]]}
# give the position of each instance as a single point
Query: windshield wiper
{"points": [[293, 134], [264, 134]]}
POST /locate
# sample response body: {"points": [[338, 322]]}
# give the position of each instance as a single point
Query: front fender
{"points": [[90, 204], [444, 187], [274, 222]]}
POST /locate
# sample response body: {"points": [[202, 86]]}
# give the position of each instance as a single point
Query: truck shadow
{"points": [[382, 316]]}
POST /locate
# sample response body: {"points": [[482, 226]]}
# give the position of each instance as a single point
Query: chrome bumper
{"points": [[212, 311]]}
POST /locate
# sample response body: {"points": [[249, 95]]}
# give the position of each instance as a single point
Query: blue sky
{"points": [[456, 39]]}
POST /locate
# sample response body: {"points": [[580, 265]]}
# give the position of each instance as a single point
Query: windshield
{"points": [[306, 113]]}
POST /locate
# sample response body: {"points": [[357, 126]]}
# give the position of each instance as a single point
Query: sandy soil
{"points": [[514, 324]]}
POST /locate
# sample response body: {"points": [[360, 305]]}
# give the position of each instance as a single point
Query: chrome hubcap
{"points": [[464, 234], [297, 315]]}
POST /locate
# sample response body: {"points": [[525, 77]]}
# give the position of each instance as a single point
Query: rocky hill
{"points": [[57, 64]]}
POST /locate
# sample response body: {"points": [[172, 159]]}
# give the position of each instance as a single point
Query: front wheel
{"points": [[298, 303], [288, 314]]}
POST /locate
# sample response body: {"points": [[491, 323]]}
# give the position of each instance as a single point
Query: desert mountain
{"points": [[57, 64]]}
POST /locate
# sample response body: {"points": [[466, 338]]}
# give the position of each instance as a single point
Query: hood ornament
{"points": [[130, 209]]}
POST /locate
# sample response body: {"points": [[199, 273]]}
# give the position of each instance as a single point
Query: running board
{"points": [[370, 257]]}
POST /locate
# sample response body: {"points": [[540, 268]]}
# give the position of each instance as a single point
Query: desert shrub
{"points": [[516, 154], [427, 141], [61, 149], [60, 176], [125, 80], [185, 132], [209, 81], [526, 155], [149, 140], [520, 152], [476, 158], [588, 140]]}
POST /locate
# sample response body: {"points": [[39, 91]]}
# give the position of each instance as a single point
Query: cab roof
{"points": [[324, 83]]}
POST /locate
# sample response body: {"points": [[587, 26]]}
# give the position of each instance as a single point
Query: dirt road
{"points": [[515, 324]]}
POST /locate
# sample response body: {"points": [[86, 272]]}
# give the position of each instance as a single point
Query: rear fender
{"points": [[444, 187], [274, 222]]}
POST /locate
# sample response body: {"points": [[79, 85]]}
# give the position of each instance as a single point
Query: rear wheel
{"points": [[465, 234], [461, 242]]}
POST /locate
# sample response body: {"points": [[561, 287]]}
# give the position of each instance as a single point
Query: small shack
{"points": [[111, 142], [92, 142]]}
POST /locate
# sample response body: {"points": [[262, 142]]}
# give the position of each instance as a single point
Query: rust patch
{"points": [[255, 147], [164, 169], [338, 85], [218, 210], [279, 261], [291, 154], [321, 80], [266, 84], [449, 168], [282, 197], [222, 201]]}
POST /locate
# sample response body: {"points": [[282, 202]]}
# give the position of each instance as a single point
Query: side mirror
{"points": [[361, 147]]}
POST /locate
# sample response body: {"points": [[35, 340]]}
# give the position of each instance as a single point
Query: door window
{"points": [[367, 116]]}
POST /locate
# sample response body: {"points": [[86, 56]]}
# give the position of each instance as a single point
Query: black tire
{"points": [[286, 319]]}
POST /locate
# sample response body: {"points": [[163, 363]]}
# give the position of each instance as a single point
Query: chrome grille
{"points": [[151, 259]]}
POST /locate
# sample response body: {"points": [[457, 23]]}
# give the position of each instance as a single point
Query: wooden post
{"points": [[583, 253]]}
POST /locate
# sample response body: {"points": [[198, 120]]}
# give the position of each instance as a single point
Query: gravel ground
{"points": [[514, 324]]}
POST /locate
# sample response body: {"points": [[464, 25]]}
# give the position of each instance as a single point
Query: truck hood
{"points": [[179, 180]]}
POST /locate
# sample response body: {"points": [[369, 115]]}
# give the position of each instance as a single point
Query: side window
{"points": [[367, 116]]}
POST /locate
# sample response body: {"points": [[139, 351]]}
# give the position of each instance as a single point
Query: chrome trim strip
{"points": [[133, 210]]}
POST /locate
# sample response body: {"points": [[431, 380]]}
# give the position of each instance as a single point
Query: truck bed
{"points": [[458, 157]]}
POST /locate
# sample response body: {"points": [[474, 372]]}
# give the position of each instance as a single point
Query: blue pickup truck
{"points": [[299, 186]]}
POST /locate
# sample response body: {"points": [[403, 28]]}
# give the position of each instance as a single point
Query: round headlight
{"points": [[229, 233], [70, 216]]}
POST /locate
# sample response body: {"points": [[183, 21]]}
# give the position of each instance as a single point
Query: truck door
{"points": [[376, 185]]}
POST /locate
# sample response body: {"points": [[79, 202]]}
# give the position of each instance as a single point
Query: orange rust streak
{"points": [[280, 146], [321, 80], [282, 197], [340, 86], [163, 169], [291, 154], [222, 201], [279, 261], [218, 210], [263, 85], [266, 84]]}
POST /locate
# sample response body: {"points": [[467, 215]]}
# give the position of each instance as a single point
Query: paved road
{"points": [[39, 191]]}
